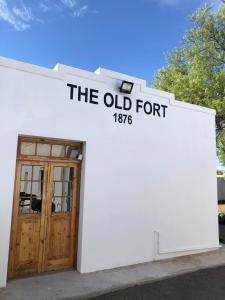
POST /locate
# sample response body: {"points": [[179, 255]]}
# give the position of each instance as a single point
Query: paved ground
{"points": [[202, 285], [72, 285]]}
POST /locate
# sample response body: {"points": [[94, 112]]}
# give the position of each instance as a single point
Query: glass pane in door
{"points": [[31, 189], [62, 194]]}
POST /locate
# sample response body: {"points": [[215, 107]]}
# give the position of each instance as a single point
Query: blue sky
{"points": [[128, 36]]}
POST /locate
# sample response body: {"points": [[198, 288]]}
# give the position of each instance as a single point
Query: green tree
{"points": [[195, 71]]}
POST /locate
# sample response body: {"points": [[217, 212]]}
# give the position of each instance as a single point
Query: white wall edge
{"points": [[194, 107], [29, 68], [71, 71], [119, 76]]}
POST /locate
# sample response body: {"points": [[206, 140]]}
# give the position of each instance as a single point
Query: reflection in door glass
{"points": [[26, 173], [43, 149], [72, 152], [28, 148], [31, 189], [62, 195], [58, 150]]}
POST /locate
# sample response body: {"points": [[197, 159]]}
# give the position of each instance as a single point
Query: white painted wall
{"points": [[148, 189]]}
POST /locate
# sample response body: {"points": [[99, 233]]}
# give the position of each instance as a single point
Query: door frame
{"points": [[48, 162]]}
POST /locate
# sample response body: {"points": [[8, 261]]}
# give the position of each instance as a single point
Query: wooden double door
{"points": [[45, 217]]}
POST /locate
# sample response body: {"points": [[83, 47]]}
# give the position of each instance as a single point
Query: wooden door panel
{"points": [[27, 245], [59, 243], [59, 237]]}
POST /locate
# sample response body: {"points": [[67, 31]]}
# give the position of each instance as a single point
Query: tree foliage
{"points": [[195, 71]]}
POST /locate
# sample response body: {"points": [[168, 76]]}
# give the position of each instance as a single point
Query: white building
{"points": [[145, 189]]}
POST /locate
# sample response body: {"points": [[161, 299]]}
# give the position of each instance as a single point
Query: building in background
{"points": [[221, 192]]}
